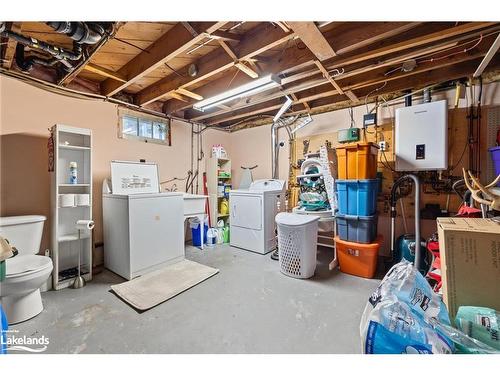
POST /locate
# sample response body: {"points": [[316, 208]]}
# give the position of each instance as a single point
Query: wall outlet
{"points": [[382, 145]]}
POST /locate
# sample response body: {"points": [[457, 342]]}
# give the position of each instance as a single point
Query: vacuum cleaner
{"points": [[406, 246]]}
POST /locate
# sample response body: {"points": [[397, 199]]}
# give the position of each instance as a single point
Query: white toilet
{"points": [[25, 273]]}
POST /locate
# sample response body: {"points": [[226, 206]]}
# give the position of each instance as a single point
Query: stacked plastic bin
{"points": [[357, 242]]}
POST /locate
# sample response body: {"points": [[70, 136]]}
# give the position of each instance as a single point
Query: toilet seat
{"points": [[23, 265]]}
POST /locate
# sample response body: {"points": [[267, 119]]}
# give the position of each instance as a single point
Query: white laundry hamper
{"points": [[297, 244]]}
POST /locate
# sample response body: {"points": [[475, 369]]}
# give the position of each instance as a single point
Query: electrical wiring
{"points": [[370, 93], [465, 50], [173, 70]]}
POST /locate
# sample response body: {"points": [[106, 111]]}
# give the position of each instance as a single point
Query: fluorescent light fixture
{"points": [[257, 85], [283, 109], [302, 123]]}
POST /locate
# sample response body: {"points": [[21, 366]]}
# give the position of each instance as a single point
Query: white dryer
{"points": [[252, 213]]}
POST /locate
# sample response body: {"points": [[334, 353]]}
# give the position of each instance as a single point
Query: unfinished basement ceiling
{"points": [[321, 64]]}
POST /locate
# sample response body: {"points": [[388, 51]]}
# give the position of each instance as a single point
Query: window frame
{"points": [[125, 112]]}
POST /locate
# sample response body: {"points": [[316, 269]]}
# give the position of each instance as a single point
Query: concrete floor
{"points": [[249, 307]]}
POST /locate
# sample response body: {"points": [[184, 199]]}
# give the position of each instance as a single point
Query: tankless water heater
{"points": [[421, 137]]}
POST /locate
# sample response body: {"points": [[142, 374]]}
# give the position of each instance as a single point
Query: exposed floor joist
{"points": [[216, 62], [293, 59], [177, 40], [312, 37]]}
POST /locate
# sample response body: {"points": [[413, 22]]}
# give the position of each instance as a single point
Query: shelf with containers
{"points": [[219, 183], [71, 200]]}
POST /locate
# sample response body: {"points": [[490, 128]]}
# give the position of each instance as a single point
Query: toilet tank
{"points": [[23, 232]]}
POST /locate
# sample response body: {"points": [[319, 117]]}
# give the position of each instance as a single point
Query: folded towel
{"points": [[6, 250]]}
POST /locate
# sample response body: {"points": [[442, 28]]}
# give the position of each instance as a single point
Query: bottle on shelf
{"points": [[73, 173]]}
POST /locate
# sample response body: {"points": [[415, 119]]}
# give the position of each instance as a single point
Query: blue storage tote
{"points": [[352, 228], [357, 197]]}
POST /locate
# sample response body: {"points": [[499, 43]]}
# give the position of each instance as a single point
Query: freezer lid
{"points": [[128, 177], [267, 185]]}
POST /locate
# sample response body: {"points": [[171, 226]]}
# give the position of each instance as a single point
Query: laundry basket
{"points": [[297, 242]]}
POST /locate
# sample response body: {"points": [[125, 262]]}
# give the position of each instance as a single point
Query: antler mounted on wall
{"points": [[488, 195]]}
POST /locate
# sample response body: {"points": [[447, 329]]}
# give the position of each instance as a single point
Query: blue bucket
{"points": [[196, 232]]}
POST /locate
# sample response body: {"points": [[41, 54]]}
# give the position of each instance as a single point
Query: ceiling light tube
{"points": [[283, 109], [242, 91]]}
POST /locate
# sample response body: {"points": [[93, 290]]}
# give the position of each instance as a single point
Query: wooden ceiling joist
{"points": [[189, 94], [292, 58], [310, 84], [327, 76], [352, 96], [339, 66], [216, 62], [104, 72], [226, 36], [240, 65], [312, 37], [324, 91], [174, 42]]}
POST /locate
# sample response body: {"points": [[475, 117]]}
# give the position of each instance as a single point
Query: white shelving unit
{"points": [[71, 145], [215, 167]]}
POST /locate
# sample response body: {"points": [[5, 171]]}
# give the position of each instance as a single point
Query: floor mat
{"points": [[156, 287]]}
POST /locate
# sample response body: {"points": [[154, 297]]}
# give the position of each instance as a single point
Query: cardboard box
{"points": [[470, 262]]}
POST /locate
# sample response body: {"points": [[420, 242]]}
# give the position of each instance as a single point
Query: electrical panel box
{"points": [[421, 137], [348, 135]]}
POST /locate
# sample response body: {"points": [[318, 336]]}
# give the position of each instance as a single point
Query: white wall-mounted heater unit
{"points": [[421, 137]]}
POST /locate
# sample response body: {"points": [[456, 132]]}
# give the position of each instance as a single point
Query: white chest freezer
{"points": [[143, 228], [252, 213]]}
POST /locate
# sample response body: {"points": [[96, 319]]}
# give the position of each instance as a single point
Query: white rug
{"points": [[156, 287]]}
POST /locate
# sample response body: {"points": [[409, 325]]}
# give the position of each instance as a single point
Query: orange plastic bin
{"points": [[358, 259], [357, 161]]}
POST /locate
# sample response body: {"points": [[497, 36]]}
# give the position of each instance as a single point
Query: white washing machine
{"points": [[252, 213]]}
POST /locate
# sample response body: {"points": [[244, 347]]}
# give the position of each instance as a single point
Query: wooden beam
{"points": [[376, 79], [283, 26], [174, 42], [358, 37], [296, 99], [328, 76], [352, 96], [104, 72], [228, 49], [253, 43], [489, 55], [189, 94], [247, 70], [177, 96], [293, 58], [226, 36], [195, 115], [312, 37], [418, 81], [415, 42], [336, 102]]}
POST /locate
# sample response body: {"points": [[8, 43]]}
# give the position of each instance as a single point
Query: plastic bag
{"points": [[404, 315], [397, 315]]}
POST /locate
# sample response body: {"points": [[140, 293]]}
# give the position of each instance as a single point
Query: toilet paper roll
{"points": [[85, 224], [82, 199], [66, 200]]}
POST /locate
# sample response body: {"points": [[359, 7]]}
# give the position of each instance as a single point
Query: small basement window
{"points": [[143, 127]]}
